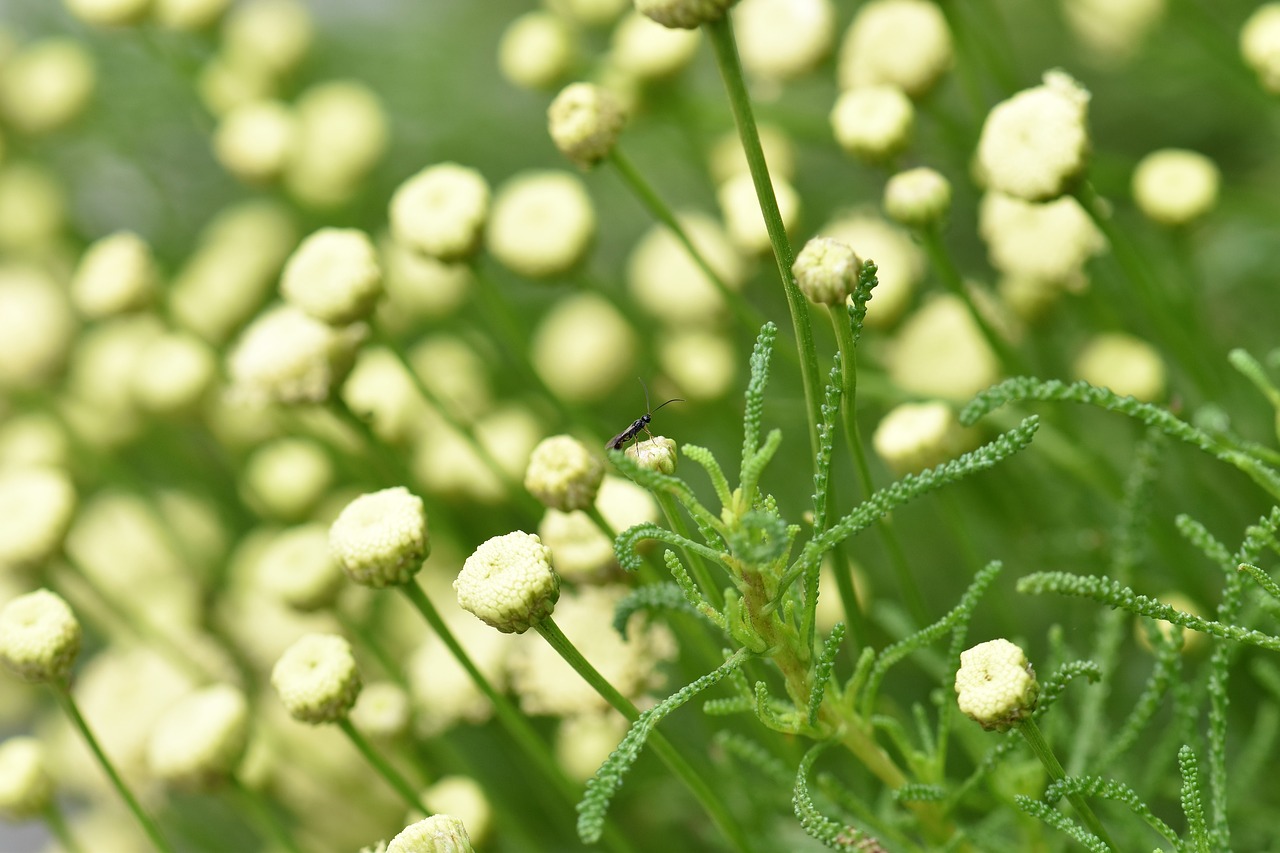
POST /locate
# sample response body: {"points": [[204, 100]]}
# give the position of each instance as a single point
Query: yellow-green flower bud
{"points": [[684, 14], [300, 569], [543, 224], [382, 711], [39, 636], [317, 679], [563, 474], [873, 122], [1127, 365], [917, 197], [536, 50], [440, 833], [915, 436], [1174, 187], [464, 798], [115, 274], [1260, 45], [903, 43], [585, 121], [199, 741], [46, 84], [441, 211], [508, 582], [36, 505], [826, 271], [996, 685], [25, 787], [656, 454], [334, 276], [287, 356], [381, 538]]}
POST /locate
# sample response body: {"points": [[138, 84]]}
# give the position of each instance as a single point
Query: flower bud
{"points": [[543, 223], [198, 742], [1129, 366], [900, 263], [25, 787], [1174, 187], [382, 711], [915, 436], [36, 326], [39, 636], [254, 140], [902, 43], [440, 833], [46, 84], [684, 14], [115, 274], [508, 582], [563, 474], [299, 568], [742, 215], [108, 13], [873, 122], [173, 373], [583, 347], [536, 50], [36, 506], [1035, 144], [188, 15], [585, 121], [464, 798], [996, 685], [917, 197], [334, 276], [656, 454], [647, 50], [826, 271], [286, 478], [1260, 45], [940, 352], [784, 39], [272, 35], [317, 679], [381, 538], [441, 211], [287, 356]]}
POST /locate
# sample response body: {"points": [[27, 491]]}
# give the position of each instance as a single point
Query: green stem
{"points": [[62, 692], [701, 790], [697, 567], [1035, 739], [57, 824], [601, 522], [370, 641], [384, 768], [720, 33], [268, 819], [389, 469], [635, 181]]}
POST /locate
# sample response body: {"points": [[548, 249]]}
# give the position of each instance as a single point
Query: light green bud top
{"points": [[1174, 187], [199, 741], [439, 833], [116, 274], [441, 211], [25, 787], [996, 685], [684, 14], [381, 538], [39, 636], [826, 271], [288, 356], [334, 276], [299, 567], [36, 505], [382, 711], [508, 582], [656, 454], [317, 679], [585, 121], [917, 197], [873, 122], [563, 474]]}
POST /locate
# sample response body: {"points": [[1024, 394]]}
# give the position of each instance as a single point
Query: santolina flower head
{"points": [[995, 685], [509, 583], [381, 539]]}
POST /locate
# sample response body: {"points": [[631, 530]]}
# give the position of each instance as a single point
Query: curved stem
{"points": [[1035, 739], [62, 692], [705, 794], [57, 824], [384, 768], [262, 812], [697, 566]]}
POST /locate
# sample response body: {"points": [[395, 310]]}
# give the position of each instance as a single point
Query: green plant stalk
{"points": [[848, 403], [262, 812], [62, 692], [375, 648], [57, 823], [387, 467], [697, 568], [644, 191], [701, 790], [382, 766], [720, 33], [1035, 739]]}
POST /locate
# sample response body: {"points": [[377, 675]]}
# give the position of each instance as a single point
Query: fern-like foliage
{"points": [[1109, 789], [753, 407], [650, 598], [624, 547], [1048, 814], [867, 281], [1192, 804], [822, 671], [751, 753], [832, 834]]}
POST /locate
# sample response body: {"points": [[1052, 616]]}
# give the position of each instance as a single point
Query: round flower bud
{"points": [[826, 271], [286, 356], [1113, 32], [382, 711], [917, 197], [1127, 365], [1042, 241], [543, 223], [317, 679], [463, 797], [995, 685], [334, 276], [702, 363], [188, 15], [33, 207], [273, 35], [649, 51], [583, 348], [108, 13], [684, 14], [198, 742], [728, 159], [36, 505], [174, 372], [285, 478], [298, 567], [508, 582], [585, 121], [381, 538], [873, 122], [419, 286], [342, 133], [36, 327], [584, 741], [441, 211], [536, 51], [741, 208], [440, 833], [580, 552], [26, 789], [667, 283], [1174, 187], [784, 39], [940, 352], [1034, 145], [1260, 45], [46, 84], [563, 474], [903, 43], [225, 84], [39, 636], [915, 436], [899, 260], [656, 454], [116, 274], [253, 141], [32, 440]]}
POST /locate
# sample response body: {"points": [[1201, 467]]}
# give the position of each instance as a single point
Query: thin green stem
{"points": [[382, 766], [62, 692], [601, 522], [1035, 739], [387, 467], [720, 33], [267, 818], [57, 824], [697, 567], [705, 794], [370, 641]]}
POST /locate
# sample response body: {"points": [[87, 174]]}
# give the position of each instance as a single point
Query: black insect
{"points": [[640, 424]]}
